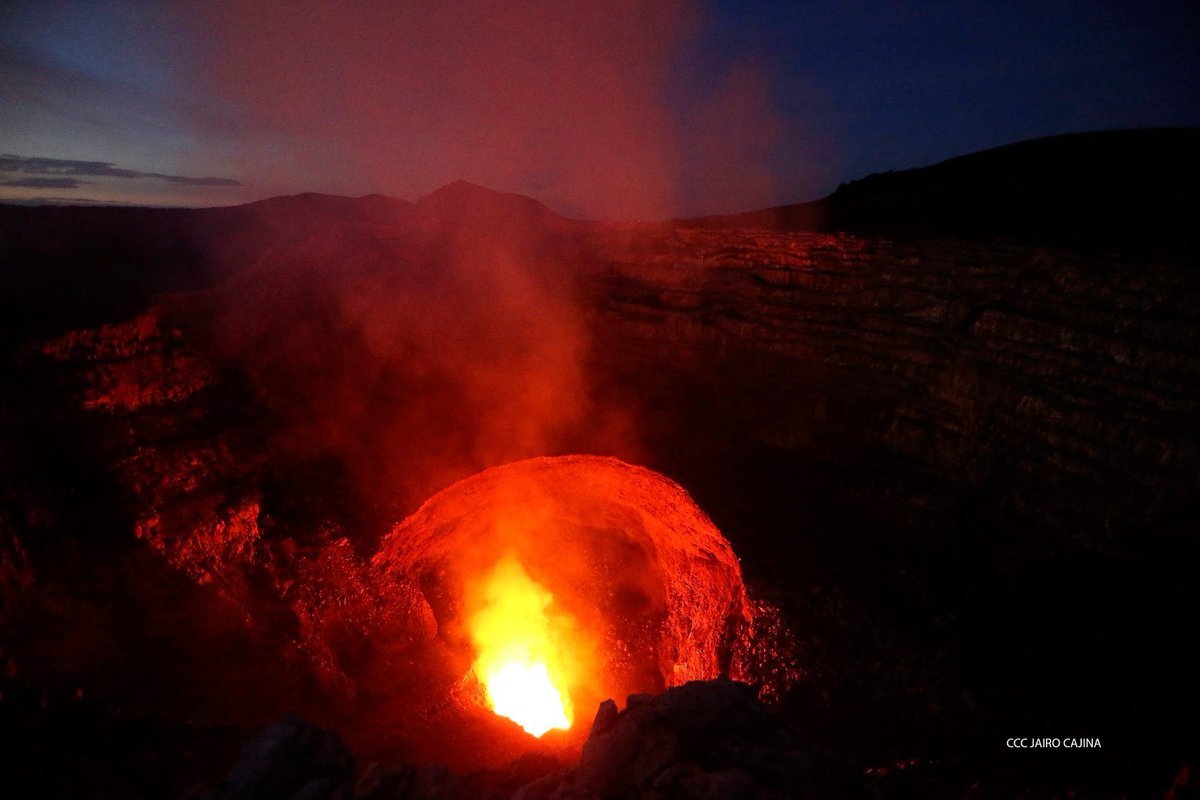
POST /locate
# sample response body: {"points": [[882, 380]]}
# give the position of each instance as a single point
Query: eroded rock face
{"points": [[1056, 384], [145, 388], [177, 503]]}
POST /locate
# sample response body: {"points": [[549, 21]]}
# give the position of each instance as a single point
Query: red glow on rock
{"points": [[636, 588]]}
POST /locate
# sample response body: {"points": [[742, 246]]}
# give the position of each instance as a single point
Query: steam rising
{"points": [[402, 347], [460, 344], [567, 102]]}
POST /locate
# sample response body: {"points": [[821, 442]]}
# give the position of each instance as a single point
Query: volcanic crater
{"points": [[913, 486]]}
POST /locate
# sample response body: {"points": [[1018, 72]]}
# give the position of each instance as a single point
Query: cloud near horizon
{"points": [[68, 171], [45, 183]]}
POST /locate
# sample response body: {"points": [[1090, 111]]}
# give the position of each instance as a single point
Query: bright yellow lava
{"points": [[519, 661]]}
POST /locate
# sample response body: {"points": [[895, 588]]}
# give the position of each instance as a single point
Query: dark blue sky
{"points": [[602, 109], [907, 84]]}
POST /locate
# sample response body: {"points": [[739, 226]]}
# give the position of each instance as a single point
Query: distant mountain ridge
{"points": [[1127, 190], [1134, 191], [464, 202]]}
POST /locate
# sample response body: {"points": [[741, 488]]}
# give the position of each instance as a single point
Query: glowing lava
{"points": [[519, 641]]}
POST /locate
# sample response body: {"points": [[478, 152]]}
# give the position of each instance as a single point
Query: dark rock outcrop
{"points": [[1057, 386], [705, 740], [291, 760], [1128, 189]]}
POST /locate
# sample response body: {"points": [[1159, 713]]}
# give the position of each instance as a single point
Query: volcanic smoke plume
{"points": [[458, 345], [569, 102], [359, 369]]}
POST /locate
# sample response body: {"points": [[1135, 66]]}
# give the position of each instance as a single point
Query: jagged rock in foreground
{"points": [[705, 739], [290, 759]]}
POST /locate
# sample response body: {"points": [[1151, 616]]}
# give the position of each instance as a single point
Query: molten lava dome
{"points": [[556, 583]]}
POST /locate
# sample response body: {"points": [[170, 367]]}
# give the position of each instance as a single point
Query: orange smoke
{"points": [[568, 102]]}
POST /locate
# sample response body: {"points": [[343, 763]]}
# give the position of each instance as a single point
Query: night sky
{"points": [[601, 109]]}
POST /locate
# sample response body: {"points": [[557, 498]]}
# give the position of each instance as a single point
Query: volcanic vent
{"points": [[557, 583]]}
